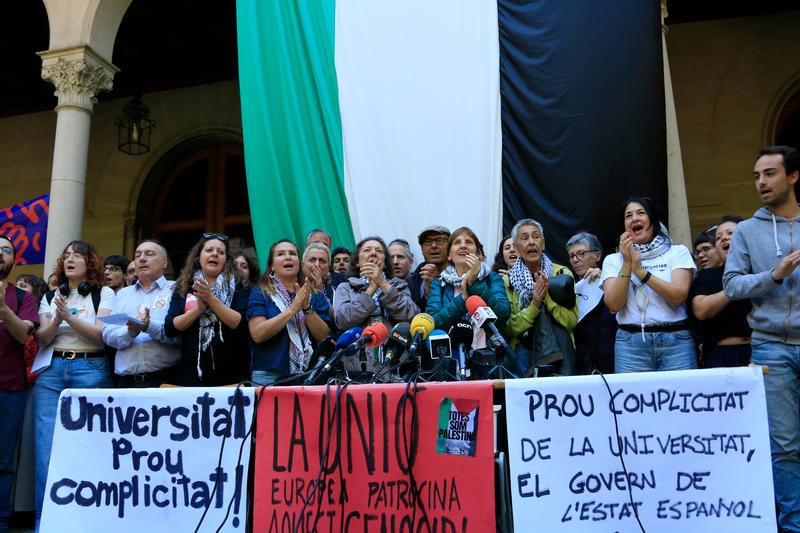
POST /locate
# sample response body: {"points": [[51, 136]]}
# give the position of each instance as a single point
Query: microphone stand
{"points": [[440, 367], [498, 366]]}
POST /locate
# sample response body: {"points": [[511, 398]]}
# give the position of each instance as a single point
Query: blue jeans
{"points": [[668, 350], [61, 374], [12, 407], [782, 384], [266, 377]]}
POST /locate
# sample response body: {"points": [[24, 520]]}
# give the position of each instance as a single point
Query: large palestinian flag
{"points": [[381, 117]]}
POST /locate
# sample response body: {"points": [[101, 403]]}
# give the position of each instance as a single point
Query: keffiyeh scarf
{"points": [[451, 277], [297, 354], [522, 280], [223, 289]]}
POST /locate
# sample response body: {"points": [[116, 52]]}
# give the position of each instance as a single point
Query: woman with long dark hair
{"points": [[71, 352], [505, 257], [207, 309], [284, 315], [646, 284], [247, 265]]}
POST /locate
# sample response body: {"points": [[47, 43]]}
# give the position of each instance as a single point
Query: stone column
{"points": [[679, 227], [78, 75]]}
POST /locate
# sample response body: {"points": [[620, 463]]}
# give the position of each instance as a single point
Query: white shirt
{"points": [[641, 298], [150, 350], [67, 338]]}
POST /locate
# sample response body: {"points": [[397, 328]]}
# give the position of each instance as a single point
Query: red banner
{"points": [[383, 458]]}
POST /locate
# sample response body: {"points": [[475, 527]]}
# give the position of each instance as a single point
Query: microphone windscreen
{"points": [[422, 323], [474, 302], [349, 337], [378, 332], [461, 333], [400, 334]]}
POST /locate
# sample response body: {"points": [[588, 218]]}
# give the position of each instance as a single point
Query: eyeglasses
{"points": [[112, 268], [441, 241], [579, 255], [73, 255], [7, 250], [219, 236]]}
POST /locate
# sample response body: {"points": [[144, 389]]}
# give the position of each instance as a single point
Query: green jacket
{"points": [[522, 320], [447, 310]]}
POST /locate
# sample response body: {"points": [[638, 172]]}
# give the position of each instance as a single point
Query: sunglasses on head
{"points": [[219, 236]]}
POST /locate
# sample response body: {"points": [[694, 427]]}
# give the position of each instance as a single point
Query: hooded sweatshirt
{"points": [[759, 244]]}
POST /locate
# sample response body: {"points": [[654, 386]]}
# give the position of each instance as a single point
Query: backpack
{"points": [[95, 298]]}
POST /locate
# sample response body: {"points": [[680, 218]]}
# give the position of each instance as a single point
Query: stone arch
{"points": [[92, 23], [150, 185]]}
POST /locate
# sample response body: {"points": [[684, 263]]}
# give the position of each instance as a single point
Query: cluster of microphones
{"points": [[411, 343]]}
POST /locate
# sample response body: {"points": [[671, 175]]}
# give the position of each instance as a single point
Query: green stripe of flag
{"points": [[290, 118]]}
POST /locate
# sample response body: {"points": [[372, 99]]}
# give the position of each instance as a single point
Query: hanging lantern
{"points": [[134, 127]]}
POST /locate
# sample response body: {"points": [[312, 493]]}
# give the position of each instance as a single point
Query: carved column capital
{"points": [[664, 15], [78, 75]]}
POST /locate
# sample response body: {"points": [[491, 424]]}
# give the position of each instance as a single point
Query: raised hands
{"points": [[540, 287]]}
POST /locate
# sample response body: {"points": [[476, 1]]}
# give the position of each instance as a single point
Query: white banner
{"points": [[419, 97], [147, 460], [695, 447]]}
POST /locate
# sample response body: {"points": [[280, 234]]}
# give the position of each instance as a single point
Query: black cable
{"points": [[256, 398], [219, 465], [322, 474], [621, 453], [410, 444]]}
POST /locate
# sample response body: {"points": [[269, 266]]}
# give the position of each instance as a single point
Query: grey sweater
{"points": [[758, 246]]}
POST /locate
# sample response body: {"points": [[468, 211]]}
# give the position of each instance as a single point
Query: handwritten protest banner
{"points": [[147, 460], [382, 458], [695, 446]]}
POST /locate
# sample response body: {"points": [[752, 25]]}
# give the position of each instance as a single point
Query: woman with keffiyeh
{"points": [[646, 284], [540, 326], [466, 275], [207, 310], [371, 295], [284, 316]]}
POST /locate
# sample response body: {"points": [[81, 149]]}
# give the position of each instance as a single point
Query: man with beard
{"points": [[433, 241], [763, 265], [145, 356], [18, 318]]}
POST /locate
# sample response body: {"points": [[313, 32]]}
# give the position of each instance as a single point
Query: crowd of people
{"points": [[222, 322]]}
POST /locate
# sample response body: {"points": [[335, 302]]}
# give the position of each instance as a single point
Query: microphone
{"points": [[421, 327], [482, 316], [343, 345], [373, 336], [461, 336], [439, 344], [398, 342]]}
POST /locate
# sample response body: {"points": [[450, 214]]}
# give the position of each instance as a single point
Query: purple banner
{"points": [[26, 225]]}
